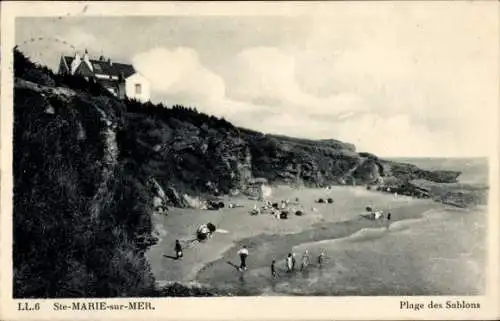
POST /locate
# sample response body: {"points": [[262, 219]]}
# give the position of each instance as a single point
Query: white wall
{"points": [[130, 83]]}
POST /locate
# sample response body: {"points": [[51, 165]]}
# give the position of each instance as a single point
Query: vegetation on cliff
{"points": [[79, 211], [197, 153]]}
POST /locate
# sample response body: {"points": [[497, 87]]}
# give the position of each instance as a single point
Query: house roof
{"points": [[106, 68], [108, 83]]}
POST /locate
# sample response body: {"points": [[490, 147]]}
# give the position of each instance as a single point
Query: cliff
{"points": [[326, 162], [186, 151], [189, 152], [81, 212], [90, 169]]}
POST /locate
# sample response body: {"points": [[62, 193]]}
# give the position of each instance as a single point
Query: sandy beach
{"points": [[331, 228]]}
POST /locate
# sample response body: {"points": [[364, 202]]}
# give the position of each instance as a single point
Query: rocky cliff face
{"points": [[298, 161], [325, 162], [81, 212], [193, 158], [406, 172], [189, 152]]}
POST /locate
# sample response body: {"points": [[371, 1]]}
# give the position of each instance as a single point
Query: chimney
{"points": [[86, 55], [86, 59]]}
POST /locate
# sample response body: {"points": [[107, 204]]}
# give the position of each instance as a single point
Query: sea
{"points": [[474, 170], [441, 253]]}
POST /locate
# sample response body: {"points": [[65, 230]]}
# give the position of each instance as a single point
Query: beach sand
{"points": [[364, 257]]}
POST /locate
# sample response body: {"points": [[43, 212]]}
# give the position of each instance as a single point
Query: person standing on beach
{"points": [[321, 257], [243, 253], [388, 220], [178, 249], [305, 261], [273, 269], [289, 262]]}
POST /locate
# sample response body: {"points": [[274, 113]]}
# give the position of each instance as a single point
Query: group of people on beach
{"points": [[290, 261], [277, 209], [281, 209]]}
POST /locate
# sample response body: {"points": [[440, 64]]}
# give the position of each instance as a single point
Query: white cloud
{"points": [[435, 67], [395, 81], [396, 136], [179, 75], [389, 119], [267, 74], [388, 104], [179, 72]]}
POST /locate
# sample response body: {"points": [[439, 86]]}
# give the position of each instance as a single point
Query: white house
{"points": [[122, 80], [137, 87]]}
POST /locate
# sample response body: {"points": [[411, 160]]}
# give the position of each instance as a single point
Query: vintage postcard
{"points": [[249, 160]]}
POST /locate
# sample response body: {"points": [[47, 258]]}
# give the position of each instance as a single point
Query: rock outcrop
{"points": [[187, 156], [326, 162], [407, 172], [81, 213], [189, 152]]}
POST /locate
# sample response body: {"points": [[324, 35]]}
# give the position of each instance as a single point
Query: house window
{"points": [[138, 89]]}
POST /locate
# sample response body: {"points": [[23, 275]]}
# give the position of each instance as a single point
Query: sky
{"points": [[408, 80]]}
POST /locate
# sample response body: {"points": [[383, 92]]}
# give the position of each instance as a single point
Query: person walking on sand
{"points": [[178, 249], [243, 253], [289, 263], [305, 261], [388, 220], [321, 258], [273, 269]]}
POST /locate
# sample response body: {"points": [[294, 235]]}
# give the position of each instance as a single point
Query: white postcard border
{"points": [[254, 308]]}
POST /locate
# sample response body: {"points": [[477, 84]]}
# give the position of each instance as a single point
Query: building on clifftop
{"points": [[122, 80]]}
